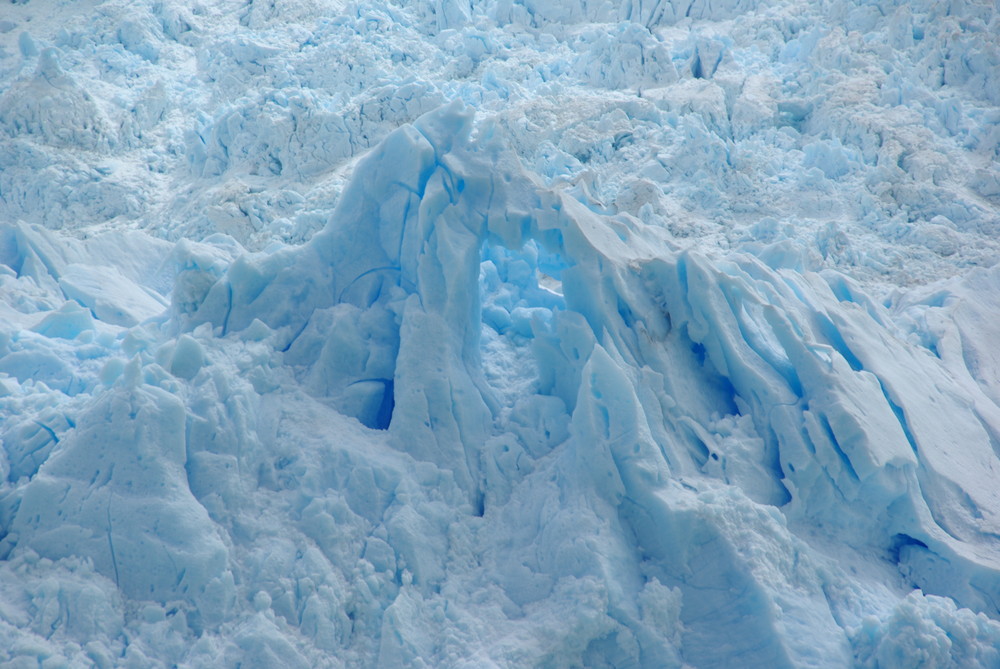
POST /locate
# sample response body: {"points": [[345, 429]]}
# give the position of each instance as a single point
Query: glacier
{"points": [[500, 333]]}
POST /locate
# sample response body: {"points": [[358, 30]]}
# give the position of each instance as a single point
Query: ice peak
{"points": [[49, 67]]}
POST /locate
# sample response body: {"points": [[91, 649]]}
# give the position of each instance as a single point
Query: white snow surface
{"points": [[499, 333]]}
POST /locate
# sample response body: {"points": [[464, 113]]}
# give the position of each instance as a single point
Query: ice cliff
{"points": [[500, 334]]}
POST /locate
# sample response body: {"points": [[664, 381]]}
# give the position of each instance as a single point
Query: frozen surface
{"points": [[503, 333]]}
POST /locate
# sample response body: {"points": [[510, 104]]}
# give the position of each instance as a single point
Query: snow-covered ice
{"points": [[500, 333]]}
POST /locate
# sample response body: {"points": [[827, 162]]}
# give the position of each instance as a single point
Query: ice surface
{"points": [[499, 333]]}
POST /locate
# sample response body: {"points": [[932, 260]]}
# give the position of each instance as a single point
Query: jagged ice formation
{"points": [[500, 334]]}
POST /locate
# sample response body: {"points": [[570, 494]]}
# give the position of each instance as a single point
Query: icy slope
{"points": [[501, 409]]}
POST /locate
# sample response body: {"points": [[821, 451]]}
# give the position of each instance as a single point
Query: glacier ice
{"points": [[503, 333]]}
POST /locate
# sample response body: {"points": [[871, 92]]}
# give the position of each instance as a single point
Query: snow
{"points": [[499, 333]]}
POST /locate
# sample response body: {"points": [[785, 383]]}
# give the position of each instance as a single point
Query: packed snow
{"points": [[499, 333]]}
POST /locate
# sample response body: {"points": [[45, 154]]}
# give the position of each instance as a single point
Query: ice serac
{"points": [[559, 416], [679, 375], [120, 498], [397, 269], [55, 108]]}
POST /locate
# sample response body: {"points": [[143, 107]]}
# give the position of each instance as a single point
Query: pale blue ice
{"points": [[500, 334]]}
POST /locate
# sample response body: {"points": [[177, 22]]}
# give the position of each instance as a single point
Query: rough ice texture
{"points": [[610, 372]]}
